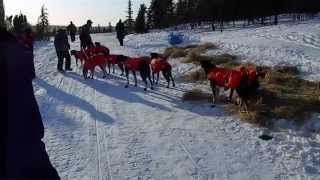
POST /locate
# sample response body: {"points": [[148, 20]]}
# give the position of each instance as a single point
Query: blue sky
{"points": [[61, 12]]}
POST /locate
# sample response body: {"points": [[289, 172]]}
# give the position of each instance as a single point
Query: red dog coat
{"points": [[94, 61], [250, 72], [80, 55], [132, 63], [225, 77], [112, 58], [159, 64]]}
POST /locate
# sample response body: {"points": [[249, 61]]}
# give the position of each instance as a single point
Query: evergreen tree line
{"points": [[166, 13]]}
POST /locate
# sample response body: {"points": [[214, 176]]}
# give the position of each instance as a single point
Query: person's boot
{"points": [[69, 69]]}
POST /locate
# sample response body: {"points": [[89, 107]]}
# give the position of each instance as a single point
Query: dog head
{"points": [[122, 58], [207, 65], [154, 55], [73, 52]]}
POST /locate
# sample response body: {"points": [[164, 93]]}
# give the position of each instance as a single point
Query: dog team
{"points": [[243, 80], [98, 55]]}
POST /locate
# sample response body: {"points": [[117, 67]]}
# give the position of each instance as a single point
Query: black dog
{"points": [[141, 64], [113, 60]]}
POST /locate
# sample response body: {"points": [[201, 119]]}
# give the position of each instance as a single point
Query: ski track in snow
{"points": [[97, 129]]}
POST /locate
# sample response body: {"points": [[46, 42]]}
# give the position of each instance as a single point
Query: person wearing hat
{"points": [[73, 31], [22, 152], [62, 46], [120, 32], [85, 38]]}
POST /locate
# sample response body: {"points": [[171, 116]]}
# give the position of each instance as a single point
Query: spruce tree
{"points": [[18, 20], [149, 24], [140, 24], [130, 15], [43, 23]]}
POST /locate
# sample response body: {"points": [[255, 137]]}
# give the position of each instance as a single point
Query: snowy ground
{"points": [[97, 129]]}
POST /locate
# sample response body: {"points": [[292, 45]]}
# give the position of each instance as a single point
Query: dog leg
{"points": [[127, 75], [121, 68], [109, 68], [166, 76], [158, 75], [149, 77], [170, 75], [92, 73], [213, 89], [135, 78], [231, 95], [146, 83], [103, 69], [153, 79]]}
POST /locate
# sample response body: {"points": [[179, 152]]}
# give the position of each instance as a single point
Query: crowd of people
{"points": [[62, 45]]}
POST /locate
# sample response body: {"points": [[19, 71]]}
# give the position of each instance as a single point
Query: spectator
{"points": [[62, 48], [22, 153], [73, 31], [120, 32], [85, 38]]}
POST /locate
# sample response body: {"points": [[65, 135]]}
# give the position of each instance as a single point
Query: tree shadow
{"points": [[74, 101]]}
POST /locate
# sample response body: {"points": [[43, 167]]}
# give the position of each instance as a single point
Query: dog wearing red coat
{"points": [[141, 64], [244, 81], [113, 60], [160, 64], [79, 56], [92, 63]]}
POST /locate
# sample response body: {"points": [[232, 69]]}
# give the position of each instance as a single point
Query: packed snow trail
{"points": [[97, 129]]}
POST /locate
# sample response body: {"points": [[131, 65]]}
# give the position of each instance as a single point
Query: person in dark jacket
{"points": [[120, 32], [23, 154], [62, 48], [72, 31], [85, 38]]}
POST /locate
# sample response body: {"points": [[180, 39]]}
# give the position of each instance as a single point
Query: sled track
{"points": [[190, 157], [97, 135]]}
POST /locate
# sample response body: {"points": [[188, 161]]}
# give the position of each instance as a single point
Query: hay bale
{"points": [[217, 59], [196, 76], [174, 52], [177, 52], [292, 70]]}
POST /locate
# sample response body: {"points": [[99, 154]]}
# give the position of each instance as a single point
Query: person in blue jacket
{"points": [[22, 153]]}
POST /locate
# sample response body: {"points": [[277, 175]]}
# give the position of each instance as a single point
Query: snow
{"points": [[97, 129]]}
